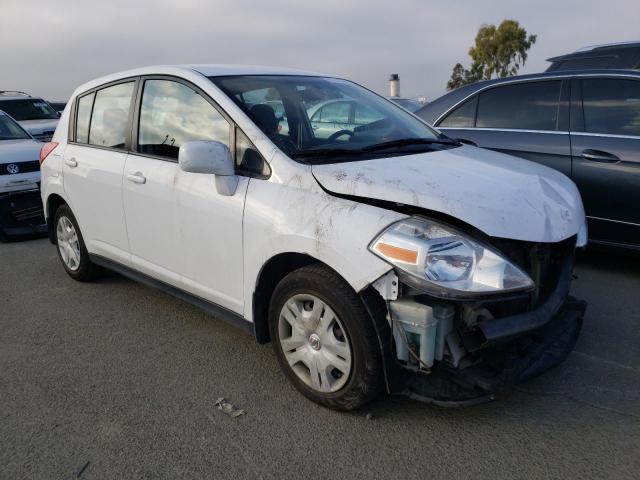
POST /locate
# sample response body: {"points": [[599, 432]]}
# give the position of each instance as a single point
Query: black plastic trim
{"points": [[508, 328]]}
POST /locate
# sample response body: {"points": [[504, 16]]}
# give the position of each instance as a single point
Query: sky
{"points": [[49, 47]]}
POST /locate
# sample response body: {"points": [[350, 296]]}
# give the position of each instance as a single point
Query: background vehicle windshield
{"points": [[28, 109], [325, 117], [10, 130]]}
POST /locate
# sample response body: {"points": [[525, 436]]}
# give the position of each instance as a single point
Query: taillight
{"points": [[47, 148]]}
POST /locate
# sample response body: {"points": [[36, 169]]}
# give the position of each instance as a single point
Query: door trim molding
{"points": [[606, 135], [614, 221]]}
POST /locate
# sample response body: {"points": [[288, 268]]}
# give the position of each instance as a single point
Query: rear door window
{"points": [[110, 117], [611, 106], [523, 106], [172, 114]]}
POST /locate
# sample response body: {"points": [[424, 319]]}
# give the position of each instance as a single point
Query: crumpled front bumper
{"points": [[512, 350], [21, 214], [546, 348]]}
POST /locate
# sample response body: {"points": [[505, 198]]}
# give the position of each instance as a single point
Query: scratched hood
{"points": [[502, 196]]}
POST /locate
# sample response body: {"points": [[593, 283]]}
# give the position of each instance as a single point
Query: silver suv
{"points": [[33, 114]]}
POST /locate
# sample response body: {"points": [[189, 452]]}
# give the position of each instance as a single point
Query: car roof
{"points": [[14, 95], [433, 110], [604, 47], [208, 70]]}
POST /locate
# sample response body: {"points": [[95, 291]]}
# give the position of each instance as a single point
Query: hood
{"points": [[38, 126], [19, 150], [500, 195]]}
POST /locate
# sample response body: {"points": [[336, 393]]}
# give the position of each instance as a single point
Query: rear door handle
{"points": [[599, 156], [72, 162], [136, 177]]}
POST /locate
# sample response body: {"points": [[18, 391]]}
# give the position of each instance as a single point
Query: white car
{"points": [[20, 205], [386, 258], [34, 114]]}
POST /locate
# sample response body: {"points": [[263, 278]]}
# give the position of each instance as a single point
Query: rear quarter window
{"points": [[85, 104], [463, 116]]}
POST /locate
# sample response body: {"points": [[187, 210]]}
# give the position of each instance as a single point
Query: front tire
{"points": [[72, 251], [324, 340]]}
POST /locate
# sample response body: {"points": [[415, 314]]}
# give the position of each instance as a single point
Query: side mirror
{"points": [[208, 156]]}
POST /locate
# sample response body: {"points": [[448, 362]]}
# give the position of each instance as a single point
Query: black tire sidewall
{"points": [[365, 376]]}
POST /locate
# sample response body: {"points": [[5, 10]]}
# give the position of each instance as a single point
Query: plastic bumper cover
{"points": [[21, 214], [513, 349]]}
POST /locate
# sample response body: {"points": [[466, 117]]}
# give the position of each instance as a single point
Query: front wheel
{"points": [[324, 340]]}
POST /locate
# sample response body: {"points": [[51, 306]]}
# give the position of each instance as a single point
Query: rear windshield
{"points": [[28, 109], [9, 129]]}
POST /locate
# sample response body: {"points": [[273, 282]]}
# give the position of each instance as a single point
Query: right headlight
{"points": [[445, 261]]}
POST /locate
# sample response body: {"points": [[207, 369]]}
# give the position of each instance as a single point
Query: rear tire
{"points": [[71, 249], [331, 352]]}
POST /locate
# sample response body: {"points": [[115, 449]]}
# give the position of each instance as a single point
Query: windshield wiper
{"points": [[402, 142]]}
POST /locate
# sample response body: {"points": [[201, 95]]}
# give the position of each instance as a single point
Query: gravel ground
{"points": [[121, 380]]}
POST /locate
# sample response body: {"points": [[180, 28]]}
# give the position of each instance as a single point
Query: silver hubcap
{"points": [[68, 243], [314, 343]]}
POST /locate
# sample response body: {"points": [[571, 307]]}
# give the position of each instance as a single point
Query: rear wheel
{"points": [[71, 248], [324, 340]]}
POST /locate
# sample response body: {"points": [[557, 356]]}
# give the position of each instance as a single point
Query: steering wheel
{"points": [[338, 134]]}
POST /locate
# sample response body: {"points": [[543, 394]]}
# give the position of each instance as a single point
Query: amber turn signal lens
{"points": [[397, 253]]}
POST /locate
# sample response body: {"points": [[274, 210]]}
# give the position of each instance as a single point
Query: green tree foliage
{"points": [[498, 52]]}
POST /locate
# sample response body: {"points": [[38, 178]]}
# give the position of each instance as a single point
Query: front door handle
{"points": [[72, 162], [136, 177], [599, 156]]}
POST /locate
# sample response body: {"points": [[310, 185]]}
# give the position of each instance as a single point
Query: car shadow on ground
{"points": [[585, 379]]}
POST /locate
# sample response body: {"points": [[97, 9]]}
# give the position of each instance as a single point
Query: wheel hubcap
{"points": [[314, 343], [68, 243]]}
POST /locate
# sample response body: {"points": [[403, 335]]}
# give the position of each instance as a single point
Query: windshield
{"points": [[321, 120], [28, 109], [10, 130]]}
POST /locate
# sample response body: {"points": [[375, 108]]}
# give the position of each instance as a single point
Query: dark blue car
{"points": [[585, 123]]}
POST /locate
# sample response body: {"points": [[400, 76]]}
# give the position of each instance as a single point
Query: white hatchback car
{"points": [[382, 257]]}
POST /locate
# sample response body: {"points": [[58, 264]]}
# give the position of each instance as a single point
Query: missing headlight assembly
{"points": [[465, 319]]}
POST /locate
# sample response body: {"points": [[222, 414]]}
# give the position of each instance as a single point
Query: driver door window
{"points": [[172, 114]]}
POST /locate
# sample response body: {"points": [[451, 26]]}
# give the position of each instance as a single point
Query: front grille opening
{"points": [[541, 261]]}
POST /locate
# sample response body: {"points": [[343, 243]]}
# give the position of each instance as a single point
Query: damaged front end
{"points": [[455, 350]]}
